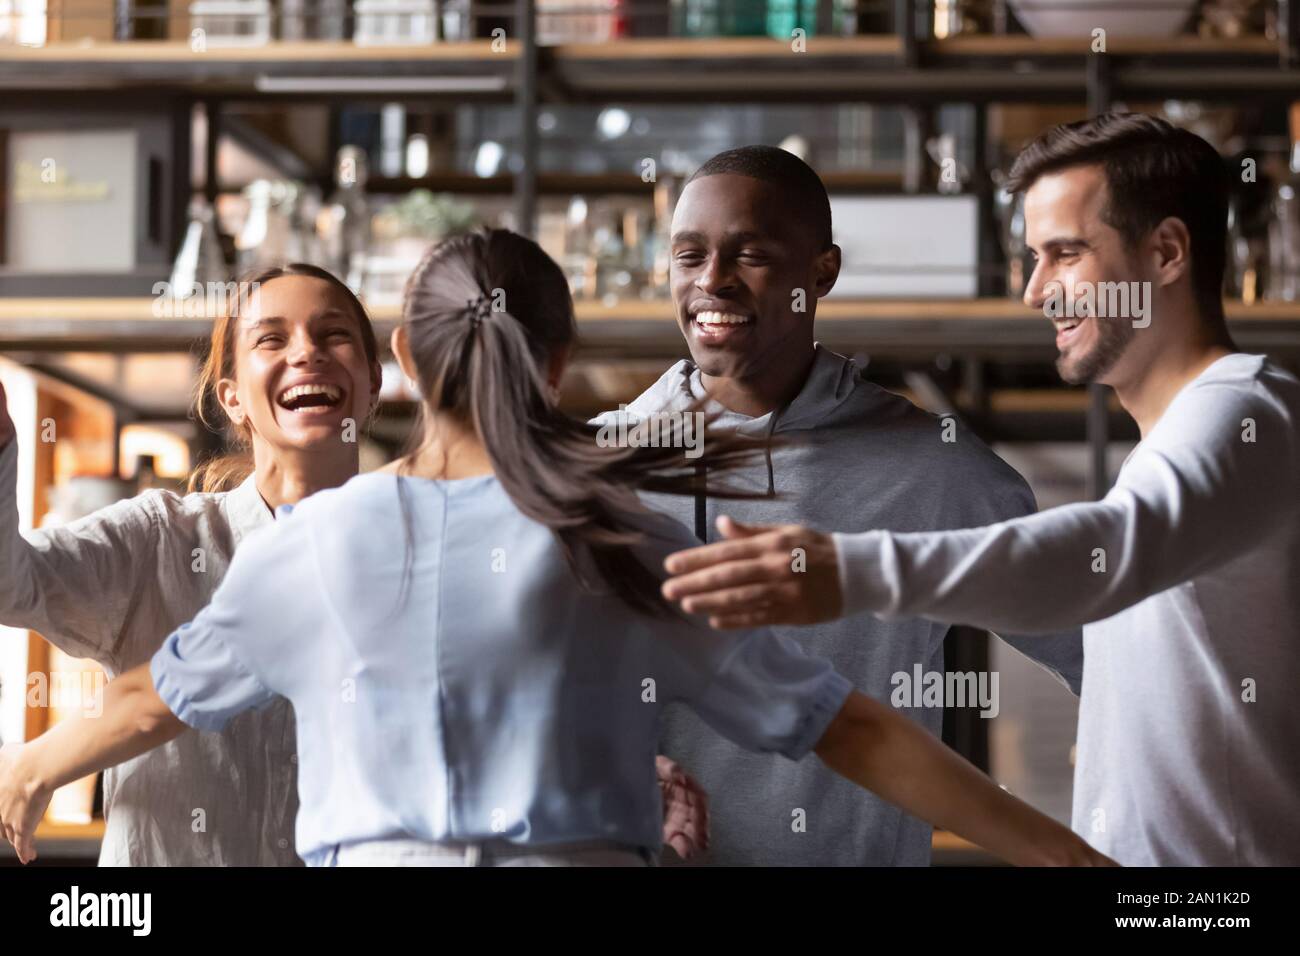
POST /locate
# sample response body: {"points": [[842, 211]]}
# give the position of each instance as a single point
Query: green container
{"points": [[749, 18], [720, 18]]}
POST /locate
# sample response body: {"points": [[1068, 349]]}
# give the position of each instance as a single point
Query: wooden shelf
{"points": [[993, 328], [139, 309], [727, 48], [1023, 45], [319, 68], [278, 51], [639, 48], [720, 69]]}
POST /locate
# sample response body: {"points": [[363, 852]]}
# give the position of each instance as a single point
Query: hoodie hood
{"points": [[831, 381]]}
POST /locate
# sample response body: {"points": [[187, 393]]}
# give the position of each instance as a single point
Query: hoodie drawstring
{"points": [[767, 449], [701, 469], [702, 503]]}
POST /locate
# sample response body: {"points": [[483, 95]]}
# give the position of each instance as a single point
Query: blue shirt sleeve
{"points": [[220, 663], [761, 691], [200, 679], [768, 695]]}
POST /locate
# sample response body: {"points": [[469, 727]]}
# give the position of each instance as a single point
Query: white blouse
{"points": [[111, 587]]}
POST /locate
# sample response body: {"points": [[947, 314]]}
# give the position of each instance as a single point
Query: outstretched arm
{"points": [[132, 721], [195, 678], [881, 750], [1194, 497], [73, 584]]}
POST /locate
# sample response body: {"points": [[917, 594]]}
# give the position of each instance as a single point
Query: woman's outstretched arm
{"points": [[76, 583], [896, 759], [130, 720]]}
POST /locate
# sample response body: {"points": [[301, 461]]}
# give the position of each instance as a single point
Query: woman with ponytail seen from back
{"points": [[474, 641]]}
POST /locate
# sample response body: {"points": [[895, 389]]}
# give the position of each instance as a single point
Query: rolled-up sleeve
{"points": [[74, 584], [761, 691], [768, 695], [217, 665], [202, 681]]}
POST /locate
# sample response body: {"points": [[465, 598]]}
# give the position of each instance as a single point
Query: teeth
{"points": [[720, 318], [297, 391]]}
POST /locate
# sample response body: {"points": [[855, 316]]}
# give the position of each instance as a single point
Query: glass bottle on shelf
{"points": [[1284, 241], [146, 473], [286, 205], [266, 238], [638, 240], [131, 23], [578, 262], [668, 187], [954, 17], [1011, 232], [306, 215], [200, 259], [1243, 272], [312, 19], [457, 24], [392, 139], [344, 223], [1284, 227], [613, 280], [252, 237]]}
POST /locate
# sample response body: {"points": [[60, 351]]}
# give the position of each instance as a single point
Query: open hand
{"points": [[762, 574], [22, 803]]}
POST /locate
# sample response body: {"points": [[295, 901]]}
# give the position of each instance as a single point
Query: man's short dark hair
{"points": [[803, 190], [1153, 170]]}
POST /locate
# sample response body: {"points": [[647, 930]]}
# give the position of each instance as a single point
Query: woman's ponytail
{"points": [[485, 313]]}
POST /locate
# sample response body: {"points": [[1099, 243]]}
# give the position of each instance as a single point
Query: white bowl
{"points": [[1078, 18]]}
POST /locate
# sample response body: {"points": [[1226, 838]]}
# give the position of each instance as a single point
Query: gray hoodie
{"points": [[860, 458]]}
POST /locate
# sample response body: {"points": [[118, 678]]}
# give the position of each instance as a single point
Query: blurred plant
{"points": [[426, 215]]}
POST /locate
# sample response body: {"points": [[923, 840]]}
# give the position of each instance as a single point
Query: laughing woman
{"points": [[474, 641], [286, 370]]}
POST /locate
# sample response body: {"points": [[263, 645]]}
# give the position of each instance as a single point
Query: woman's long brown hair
{"points": [[223, 472], [484, 313]]}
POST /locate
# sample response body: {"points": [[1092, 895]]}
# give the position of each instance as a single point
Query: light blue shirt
{"points": [[453, 682]]}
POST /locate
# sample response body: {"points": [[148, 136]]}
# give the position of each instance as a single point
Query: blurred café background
{"points": [[174, 141]]}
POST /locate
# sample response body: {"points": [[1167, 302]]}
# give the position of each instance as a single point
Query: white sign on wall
{"points": [[72, 202], [906, 246]]}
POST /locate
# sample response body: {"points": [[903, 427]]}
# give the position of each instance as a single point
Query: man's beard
{"points": [[1113, 337]]}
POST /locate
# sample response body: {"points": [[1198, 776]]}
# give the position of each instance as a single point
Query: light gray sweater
{"points": [[1187, 575]]}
